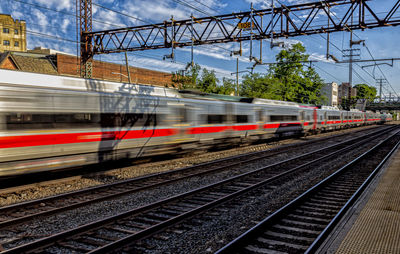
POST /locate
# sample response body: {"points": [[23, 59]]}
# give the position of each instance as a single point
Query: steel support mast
{"points": [[85, 28]]}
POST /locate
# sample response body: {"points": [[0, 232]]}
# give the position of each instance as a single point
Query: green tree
{"points": [[228, 87], [348, 103], [259, 85], [311, 87], [366, 92], [296, 82], [208, 82], [289, 70], [186, 79]]}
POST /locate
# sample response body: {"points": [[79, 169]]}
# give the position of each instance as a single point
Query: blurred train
{"points": [[49, 122]]}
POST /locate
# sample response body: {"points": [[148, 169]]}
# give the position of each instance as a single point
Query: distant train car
{"points": [[49, 122]]}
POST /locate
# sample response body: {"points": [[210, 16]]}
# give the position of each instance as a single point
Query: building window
{"points": [[6, 30], [6, 43], [16, 31], [16, 44]]}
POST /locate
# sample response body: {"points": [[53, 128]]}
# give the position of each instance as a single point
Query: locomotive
{"points": [[49, 122]]}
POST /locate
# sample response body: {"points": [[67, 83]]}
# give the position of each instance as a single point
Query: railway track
{"points": [[114, 232], [305, 223], [23, 212]]}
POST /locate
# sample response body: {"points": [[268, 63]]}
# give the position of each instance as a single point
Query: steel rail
{"points": [[48, 241], [243, 240]]}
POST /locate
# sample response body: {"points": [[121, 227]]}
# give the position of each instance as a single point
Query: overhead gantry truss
{"points": [[284, 21]]}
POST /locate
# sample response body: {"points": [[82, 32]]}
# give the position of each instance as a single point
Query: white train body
{"points": [[49, 122]]}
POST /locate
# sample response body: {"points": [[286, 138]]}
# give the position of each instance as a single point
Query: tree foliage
{"points": [[186, 79], [208, 82], [228, 87], [366, 92], [348, 103], [288, 80]]}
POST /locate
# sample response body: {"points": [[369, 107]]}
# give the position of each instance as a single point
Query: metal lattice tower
{"points": [[85, 27]]}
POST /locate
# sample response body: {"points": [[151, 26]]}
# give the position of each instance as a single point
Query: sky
{"points": [[52, 24]]}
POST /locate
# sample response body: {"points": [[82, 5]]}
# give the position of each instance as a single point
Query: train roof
{"points": [[26, 79], [195, 94], [275, 103]]}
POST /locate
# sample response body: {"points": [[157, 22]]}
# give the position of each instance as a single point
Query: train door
{"points": [[229, 111], [260, 119], [315, 119], [302, 118], [182, 121]]}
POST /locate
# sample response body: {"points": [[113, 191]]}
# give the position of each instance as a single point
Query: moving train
{"points": [[49, 122]]}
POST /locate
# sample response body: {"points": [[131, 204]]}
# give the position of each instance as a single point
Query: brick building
{"points": [[12, 34], [53, 62], [346, 91]]}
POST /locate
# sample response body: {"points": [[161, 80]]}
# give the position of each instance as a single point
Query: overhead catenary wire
{"points": [[63, 12], [350, 30], [142, 20]]}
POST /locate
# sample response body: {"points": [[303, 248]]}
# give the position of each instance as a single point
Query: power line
{"points": [[335, 78], [350, 30], [62, 12], [145, 21]]}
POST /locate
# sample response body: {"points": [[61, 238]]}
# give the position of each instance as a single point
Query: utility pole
{"points": [[327, 35], [351, 53]]}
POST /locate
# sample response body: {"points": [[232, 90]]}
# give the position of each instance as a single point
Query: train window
{"points": [[259, 115], [302, 114], [333, 117], [29, 121], [215, 119], [282, 118], [86, 120], [242, 119], [183, 114], [308, 117]]}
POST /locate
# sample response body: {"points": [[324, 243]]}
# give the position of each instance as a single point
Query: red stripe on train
{"points": [[215, 129], [71, 138], [245, 127]]}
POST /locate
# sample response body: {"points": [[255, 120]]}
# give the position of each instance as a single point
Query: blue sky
{"points": [[51, 24]]}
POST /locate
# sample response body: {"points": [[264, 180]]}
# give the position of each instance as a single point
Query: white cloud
{"points": [[41, 19], [58, 4], [320, 58], [64, 25]]}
